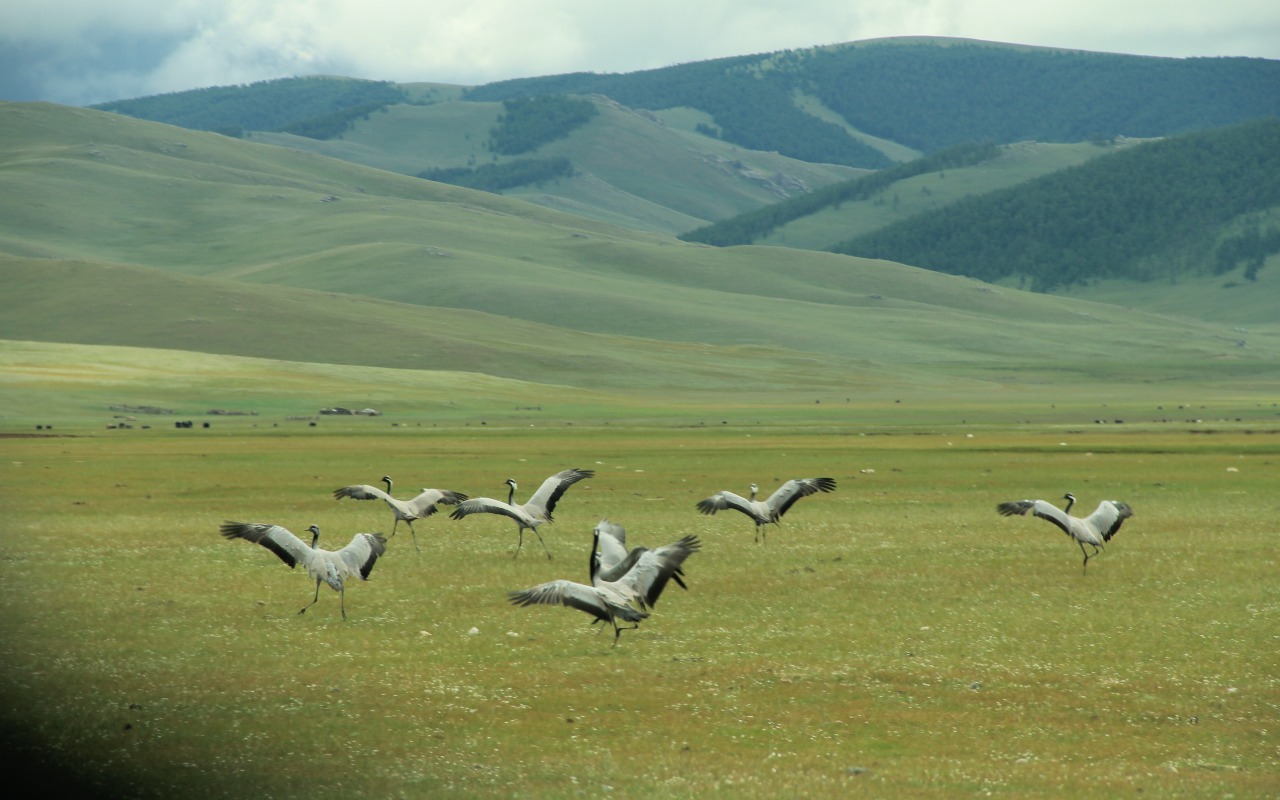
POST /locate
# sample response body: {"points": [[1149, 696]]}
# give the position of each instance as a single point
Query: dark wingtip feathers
{"points": [[1010, 509]]}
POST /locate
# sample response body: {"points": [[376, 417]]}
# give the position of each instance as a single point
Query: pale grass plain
{"points": [[895, 638]]}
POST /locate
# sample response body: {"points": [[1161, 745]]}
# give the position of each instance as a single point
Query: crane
{"points": [[1094, 530], [530, 514], [763, 512], [424, 505], [607, 601], [355, 560]]}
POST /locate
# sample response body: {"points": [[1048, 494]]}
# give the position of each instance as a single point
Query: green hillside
{"points": [[80, 302], [629, 168], [123, 232]]}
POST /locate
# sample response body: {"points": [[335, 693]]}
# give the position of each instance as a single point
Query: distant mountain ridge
{"points": [[276, 105], [927, 94], [930, 94], [781, 148]]}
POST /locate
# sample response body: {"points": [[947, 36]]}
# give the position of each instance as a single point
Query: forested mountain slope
{"points": [[930, 94], [921, 93], [1184, 204]]}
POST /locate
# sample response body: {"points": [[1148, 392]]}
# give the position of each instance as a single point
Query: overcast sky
{"points": [[87, 51]]}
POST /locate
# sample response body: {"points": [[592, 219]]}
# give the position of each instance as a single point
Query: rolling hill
{"points": [[1057, 217], [125, 232], [629, 167], [684, 146]]}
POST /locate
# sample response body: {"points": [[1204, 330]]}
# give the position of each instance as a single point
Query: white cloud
{"points": [[77, 50]]}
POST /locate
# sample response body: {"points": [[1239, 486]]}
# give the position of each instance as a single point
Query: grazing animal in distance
{"points": [[355, 560], [530, 514], [1094, 530], [764, 512], [424, 505]]}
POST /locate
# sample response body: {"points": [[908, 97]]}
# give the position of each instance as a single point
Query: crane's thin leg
{"points": [[617, 632], [519, 543], [342, 596], [544, 544], [415, 536], [1086, 556], [317, 597]]}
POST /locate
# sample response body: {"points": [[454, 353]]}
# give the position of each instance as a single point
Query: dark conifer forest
{"points": [[1139, 213]]}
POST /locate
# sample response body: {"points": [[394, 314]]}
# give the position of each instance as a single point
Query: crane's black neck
{"points": [[315, 535], [593, 569]]}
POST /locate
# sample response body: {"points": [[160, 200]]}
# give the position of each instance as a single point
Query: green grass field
{"points": [[895, 638]]}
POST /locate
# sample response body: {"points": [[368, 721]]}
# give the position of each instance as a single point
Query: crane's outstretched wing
{"points": [[722, 500], [1109, 516], [576, 595], [424, 505], [612, 539], [1039, 508], [646, 572], [553, 488], [359, 556], [487, 505], [278, 540], [361, 492], [793, 490]]}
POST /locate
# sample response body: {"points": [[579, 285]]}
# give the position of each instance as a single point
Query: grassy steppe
{"points": [[895, 638], [73, 388]]}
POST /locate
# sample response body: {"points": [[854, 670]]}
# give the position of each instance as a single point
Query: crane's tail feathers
{"points": [[629, 614]]}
